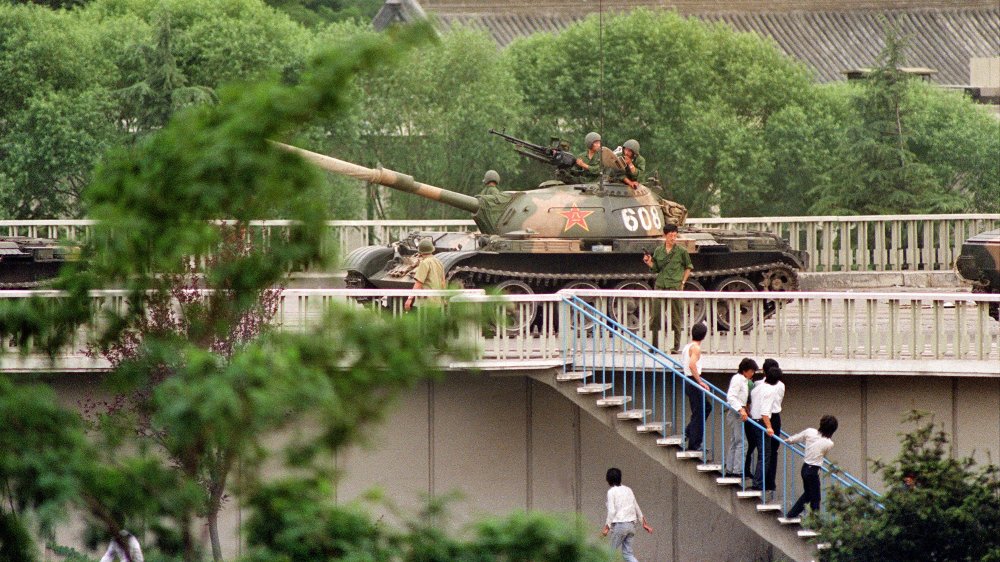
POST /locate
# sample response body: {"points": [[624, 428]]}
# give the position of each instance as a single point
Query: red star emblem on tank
{"points": [[576, 217]]}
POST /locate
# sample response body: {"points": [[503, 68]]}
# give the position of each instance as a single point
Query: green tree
{"points": [[883, 159], [949, 511], [318, 12], [43, 448], [429, 117], [296, 520]]}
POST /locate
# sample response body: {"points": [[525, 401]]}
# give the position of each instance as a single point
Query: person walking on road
{"points": [[623, 515]]}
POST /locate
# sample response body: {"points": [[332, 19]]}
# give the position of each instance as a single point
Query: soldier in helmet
{"points": [[590, 161], [635, 164], [429, 273], [491, 183]]}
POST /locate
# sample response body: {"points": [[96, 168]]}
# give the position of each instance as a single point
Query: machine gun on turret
{"points": [[552, 155]]}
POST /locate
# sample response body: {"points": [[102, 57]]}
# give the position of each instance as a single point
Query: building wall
{"points": [[510, 443]]}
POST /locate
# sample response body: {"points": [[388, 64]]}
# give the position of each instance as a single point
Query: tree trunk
{"points": [[213, 533]]}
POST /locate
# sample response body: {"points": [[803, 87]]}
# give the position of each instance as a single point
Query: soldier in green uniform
{"points": [[635, 164], [590, 161], [428, 275], [672, 264], [491, 182]]}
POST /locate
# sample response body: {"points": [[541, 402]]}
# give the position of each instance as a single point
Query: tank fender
{"points": [[368, 260]]}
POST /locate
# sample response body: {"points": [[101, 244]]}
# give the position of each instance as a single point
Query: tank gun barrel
{"points": [[386, 177]]}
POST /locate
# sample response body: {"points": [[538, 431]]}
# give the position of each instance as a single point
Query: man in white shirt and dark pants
{"points": [[737, 396], [623, 514]]}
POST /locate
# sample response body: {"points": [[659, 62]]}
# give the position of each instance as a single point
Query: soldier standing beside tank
{"points": [[590, 161], [491, 183], [635, 164], [672, 264], [428, 275]]}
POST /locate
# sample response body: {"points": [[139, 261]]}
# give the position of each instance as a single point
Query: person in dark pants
{"points": [[748, 428], [818, 444], [774, 443], [701, 406], [763, 400]]}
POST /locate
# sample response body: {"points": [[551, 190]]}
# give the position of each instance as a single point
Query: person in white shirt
{"points": [[737, 396], [115, 551], [764, 398], [818, 444], [623, 514]]}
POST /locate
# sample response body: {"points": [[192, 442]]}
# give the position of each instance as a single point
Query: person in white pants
{"points": [[737, 396]]}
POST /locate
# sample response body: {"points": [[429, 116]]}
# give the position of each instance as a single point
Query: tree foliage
{"points": [[295, 520], [728, 121], [950, 511]]}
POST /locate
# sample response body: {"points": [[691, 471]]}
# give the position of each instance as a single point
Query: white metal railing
{"points": [[834, 243], [898, 327], [821, 325]]}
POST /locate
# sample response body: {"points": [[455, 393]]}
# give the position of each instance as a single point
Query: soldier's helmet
{"points": [[632, 145], [591, 138], [425, 247], [491, 176]]}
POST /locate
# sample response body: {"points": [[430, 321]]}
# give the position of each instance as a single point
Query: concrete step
{"points": [[747, 494], [672, 441], [609, 401], [727, 481], [574, 376], [689, 454], [593, 388], [790, 520], [807, 533], [768, 507], [653, 427], [634, 414], [709, 468]]}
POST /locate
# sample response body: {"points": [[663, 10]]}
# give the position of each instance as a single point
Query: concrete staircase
{"points": [[658, 440]]}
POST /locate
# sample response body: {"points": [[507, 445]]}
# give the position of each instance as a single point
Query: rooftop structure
{"points": [[831, 37]]}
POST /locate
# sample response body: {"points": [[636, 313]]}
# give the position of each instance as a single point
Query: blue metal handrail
{"points": [[606, 334]]}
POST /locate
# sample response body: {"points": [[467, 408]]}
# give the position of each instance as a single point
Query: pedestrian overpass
{"points": [[593, 348]]}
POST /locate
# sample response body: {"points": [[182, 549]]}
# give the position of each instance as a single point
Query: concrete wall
{"points": [[509, 443]]}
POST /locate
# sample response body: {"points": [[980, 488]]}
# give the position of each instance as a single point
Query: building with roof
{"points": [[831, 37]]}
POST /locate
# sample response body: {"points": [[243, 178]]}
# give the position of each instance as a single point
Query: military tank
{"points": [[27, 263], [568, 234], [979, 263]]}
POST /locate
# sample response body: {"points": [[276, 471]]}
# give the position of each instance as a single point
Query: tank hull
{"points": [[28, 263], [979, 263]]}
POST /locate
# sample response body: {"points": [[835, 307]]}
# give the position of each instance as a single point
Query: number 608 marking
{"points": [[632, 218]]}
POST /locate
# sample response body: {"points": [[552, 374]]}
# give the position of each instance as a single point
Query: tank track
{"points": [[554, 277]]}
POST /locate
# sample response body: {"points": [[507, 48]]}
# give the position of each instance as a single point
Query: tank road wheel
{"points": [[781, 278], [592, 301], [697, 306], [626, 310], [723, 314], [516, 316]]}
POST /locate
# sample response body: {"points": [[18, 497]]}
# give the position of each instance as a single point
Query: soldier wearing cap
{"points": [[491, 183], [429, 274], [590, 161]]}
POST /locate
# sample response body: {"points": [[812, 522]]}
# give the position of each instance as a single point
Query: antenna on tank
{"points": [[600, 92]]}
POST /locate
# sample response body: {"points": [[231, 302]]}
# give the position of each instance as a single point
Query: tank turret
{"points": [[583, 211]]}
